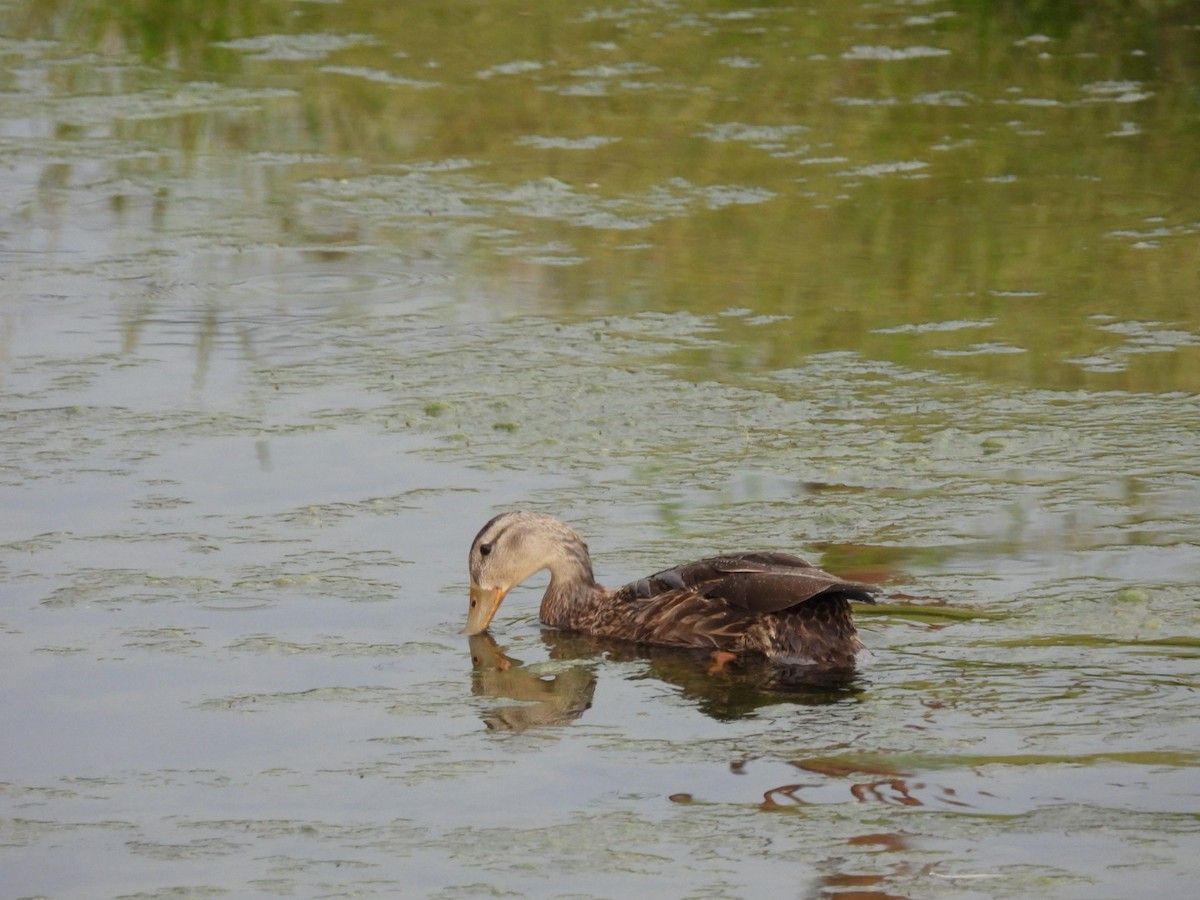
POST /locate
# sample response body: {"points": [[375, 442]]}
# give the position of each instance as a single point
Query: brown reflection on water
{"points": [[865, 869], [781, 797], [563, 695], [884, 783], [858, 885], [548, 699], [735, 691]]}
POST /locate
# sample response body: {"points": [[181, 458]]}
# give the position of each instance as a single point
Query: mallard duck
{"points": [[766, 602]]}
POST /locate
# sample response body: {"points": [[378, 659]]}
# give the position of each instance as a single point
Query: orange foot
{"points": [[721, 658]]}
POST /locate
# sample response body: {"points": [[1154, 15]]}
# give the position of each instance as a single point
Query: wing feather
{"points": [[754, 581]]}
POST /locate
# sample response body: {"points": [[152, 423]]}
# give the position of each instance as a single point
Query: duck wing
{"points": [[758, 582]]}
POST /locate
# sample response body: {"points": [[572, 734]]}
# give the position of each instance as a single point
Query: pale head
{"points": [[512, 547]]}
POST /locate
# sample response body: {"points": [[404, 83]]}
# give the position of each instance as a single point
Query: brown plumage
{"points": [[766, 602]]}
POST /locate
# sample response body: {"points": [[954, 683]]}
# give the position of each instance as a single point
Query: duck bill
{"points": [[484, 603]]}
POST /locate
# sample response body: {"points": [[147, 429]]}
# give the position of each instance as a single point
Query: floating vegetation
{"points": [[924, 611]]}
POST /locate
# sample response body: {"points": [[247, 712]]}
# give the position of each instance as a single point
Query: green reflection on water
{"points": [[1182, 642], [924, 612], [1005, 190]]}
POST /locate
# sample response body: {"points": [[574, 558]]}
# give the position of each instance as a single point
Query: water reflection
{"points": [[882, 782], [562, 694], [860, 869], [842, 883], [735, 691], [557, 698], [1020, 212]]}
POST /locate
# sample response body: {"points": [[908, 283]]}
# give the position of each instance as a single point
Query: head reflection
{"points": [[550, 696]]}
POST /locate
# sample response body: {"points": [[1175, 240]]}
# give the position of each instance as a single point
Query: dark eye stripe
{"points": [[486, 528]]}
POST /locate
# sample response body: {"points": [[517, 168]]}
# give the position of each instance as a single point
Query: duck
{"points": [[768, 603]]}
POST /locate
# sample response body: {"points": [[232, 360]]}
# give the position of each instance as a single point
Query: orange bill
{"points": [[484, 603]]}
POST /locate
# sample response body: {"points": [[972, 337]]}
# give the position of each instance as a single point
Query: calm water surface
{"points": [[296, 295]]}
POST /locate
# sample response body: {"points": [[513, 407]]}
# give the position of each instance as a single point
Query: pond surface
{"points": [[296, 295]]}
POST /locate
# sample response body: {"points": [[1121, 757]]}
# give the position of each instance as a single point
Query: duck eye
{"points": [[485, 549]]}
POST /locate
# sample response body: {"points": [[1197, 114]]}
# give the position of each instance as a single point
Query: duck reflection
{"points": [[725, 693], [730, 692], [557, 698]]}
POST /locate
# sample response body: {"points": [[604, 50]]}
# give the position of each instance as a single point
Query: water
{"points": [[297, 295]]}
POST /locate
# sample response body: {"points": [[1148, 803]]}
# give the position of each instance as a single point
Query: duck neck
{"points": [[572, 585]]}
